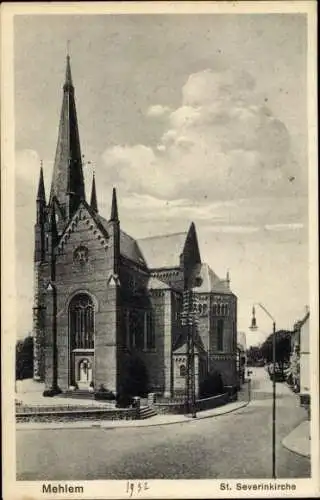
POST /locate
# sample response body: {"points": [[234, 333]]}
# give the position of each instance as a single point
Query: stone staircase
{"points": [[78, 394], [147, 412]]}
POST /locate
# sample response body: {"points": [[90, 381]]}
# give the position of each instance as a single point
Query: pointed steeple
{"points": [[68, 80], [93, 200], [67, 179], [114, 207], [41, 196], [41, 199]]}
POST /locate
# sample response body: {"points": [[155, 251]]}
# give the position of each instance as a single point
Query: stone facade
{"points": [[107, 307]]}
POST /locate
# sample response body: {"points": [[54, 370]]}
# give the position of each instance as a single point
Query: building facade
{"points": [[108, 307], [300, 358]]}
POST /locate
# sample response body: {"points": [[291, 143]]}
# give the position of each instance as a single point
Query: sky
{"points": [[193, 118]]}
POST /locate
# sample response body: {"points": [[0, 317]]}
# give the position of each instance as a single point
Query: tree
{"points": [[212, 385], [135, 378], [283, 348], [24, 358], [254, 355]]}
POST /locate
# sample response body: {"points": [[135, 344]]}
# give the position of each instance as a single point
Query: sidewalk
{"points": [[150, 422], [298, 440]]}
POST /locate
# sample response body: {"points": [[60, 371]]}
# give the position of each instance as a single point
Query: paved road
{"points": [[235, 445]]}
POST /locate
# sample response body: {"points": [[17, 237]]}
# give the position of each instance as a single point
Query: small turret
{"points": [[41, 198], [114, 232], [228, 278], [39, 248], [93, 201], [114, 207]]}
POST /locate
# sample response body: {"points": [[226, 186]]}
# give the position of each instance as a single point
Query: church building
{"points": [[108, 307]]}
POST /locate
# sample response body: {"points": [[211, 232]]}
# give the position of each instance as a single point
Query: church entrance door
{"points": [[81, 341], [84, 373]]}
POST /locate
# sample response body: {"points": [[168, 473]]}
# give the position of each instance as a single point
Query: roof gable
{"points": [[181, 345], [84, 213]]}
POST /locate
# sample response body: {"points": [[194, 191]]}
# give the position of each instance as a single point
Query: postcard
{"points": [[160, 250]]}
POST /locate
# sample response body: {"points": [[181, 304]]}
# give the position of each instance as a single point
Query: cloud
{"points": [[220, 143], [234, 229], [284, 227], [157, 110]]}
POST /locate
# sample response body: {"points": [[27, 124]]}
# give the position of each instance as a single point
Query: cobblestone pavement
{"points": [[235, 445]]}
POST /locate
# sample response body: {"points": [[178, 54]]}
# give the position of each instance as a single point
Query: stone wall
{"points": [[77, 415]]}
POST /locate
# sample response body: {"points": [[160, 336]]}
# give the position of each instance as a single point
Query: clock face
{"points": [[80, 255]]}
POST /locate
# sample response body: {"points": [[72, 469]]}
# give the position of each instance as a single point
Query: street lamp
{"points": [[254, 327]]}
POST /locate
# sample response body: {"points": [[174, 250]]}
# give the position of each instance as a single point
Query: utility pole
{"points": [[188, 321], [254, 327]]}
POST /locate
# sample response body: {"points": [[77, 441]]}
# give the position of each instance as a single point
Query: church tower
{"points": [[67, 192]]}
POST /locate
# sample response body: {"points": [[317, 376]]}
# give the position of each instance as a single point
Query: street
{"points": [[234, 445]]}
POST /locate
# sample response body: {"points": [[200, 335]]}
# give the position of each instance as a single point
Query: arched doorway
{"points": [[85, 371], [81, 340]]}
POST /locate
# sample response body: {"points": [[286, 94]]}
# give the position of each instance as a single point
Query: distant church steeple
{"points": [[93, 201], [67, 186]]}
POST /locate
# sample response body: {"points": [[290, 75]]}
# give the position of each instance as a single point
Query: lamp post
{"points": [[254, 327]]}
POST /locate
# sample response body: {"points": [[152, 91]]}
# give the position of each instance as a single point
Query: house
{"points": [[241, 357], [300, 358]]}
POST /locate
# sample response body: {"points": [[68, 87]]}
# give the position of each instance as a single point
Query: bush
{"points": [[212, 385], [124, 400], [104, 394], [135, 378], [49, 393]]}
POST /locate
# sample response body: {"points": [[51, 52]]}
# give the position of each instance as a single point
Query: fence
{"points": [[179, 405]]}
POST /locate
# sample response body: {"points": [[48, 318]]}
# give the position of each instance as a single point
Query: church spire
{"points": [[67, 180], [114, 207], [68, 79], [93, 201]]}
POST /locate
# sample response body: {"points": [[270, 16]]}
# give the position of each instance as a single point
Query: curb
{"points": [[292, 448], [30, 427]]}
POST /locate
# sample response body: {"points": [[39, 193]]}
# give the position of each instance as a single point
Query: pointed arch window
{"points": [[81, 320], [183, 371], [220, 335]]}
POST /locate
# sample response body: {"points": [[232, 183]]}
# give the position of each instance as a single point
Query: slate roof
{"points": [[128, 245], [156, 284], [162, 251]]}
